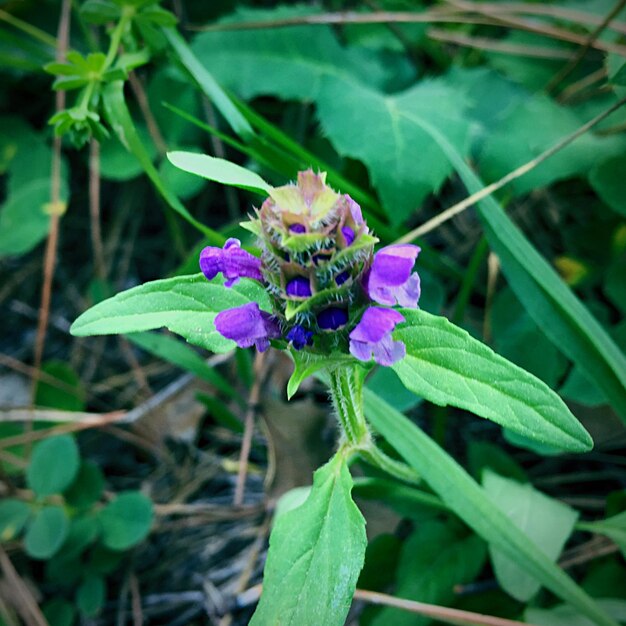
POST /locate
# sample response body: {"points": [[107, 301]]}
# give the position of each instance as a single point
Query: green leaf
{"points": [[176, 352], [46, 533], [83, 532], [53, 466], [90, 596], [208, 84], [70, 397], [100, 11], [516, 337], [294, 62], [564, 615], [13, 516], [219, 170], [528, 130], [121, 122], [126, 521], [433, 560], [549, 301], [607, 178], [315, 556], [402, 137], [187, 305], [307, 363], [445, 365], [87, 487], [23, 220], [59, 612], [466, 498], [613, 527], [547, 522]]}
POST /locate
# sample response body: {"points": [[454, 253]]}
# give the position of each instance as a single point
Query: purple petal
{"points": [[233, 262], [348, 235], [332, 318], [389, 280], [393, 264], [298, 287], [341, 278], [211, 261], [247, 325], [355, 210], [299, 337], [375, 323], [409, 294], [372, 337], [388, 351], [361, 350], [297, 228]]}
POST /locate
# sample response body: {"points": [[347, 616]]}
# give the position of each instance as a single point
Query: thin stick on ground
{"points": [[454, 210], [25, 603], [55, 197], [573, 63], [246, 444], [440, 613], [94, 210]]}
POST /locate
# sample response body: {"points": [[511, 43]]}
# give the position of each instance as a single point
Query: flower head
{"points": [[371, 338], [248, 326], [319, 269], [233, 262], [390, 280]]}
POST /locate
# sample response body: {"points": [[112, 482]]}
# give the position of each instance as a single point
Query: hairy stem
{"points": [[346, 386]]}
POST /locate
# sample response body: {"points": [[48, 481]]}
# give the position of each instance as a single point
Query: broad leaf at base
{"points": [[316, 554]]}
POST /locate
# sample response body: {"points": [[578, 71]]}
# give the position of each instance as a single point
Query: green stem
{"points": [[376, 457], [116, 35], [346, 386]]}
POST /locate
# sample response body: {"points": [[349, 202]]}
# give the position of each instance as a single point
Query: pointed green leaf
{"points": [[460, 492], [445, 365], [547, 522], [434, 559], [187, 305], [316, 554], [549, 301], [219, 170]]}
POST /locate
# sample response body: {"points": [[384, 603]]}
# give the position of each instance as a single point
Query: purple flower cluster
{"points": [[329, 291]]}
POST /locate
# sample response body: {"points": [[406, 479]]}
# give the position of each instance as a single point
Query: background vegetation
{"points": [[130, 493]]}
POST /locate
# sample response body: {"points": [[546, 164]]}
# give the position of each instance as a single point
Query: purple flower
{"points": [[390, 281], [300, 337], [298, 287], [247, 325], [231, 261], [332, 318], [348, 235], [372, 337]]}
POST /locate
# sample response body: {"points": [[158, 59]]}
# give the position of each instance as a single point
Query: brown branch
{"points": [[94, 210], [454, 210], [25, 603], [246, 444], [440, 613], [55, 197], [573, 63], [539, 29], [497, 45], [142, 100]]}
